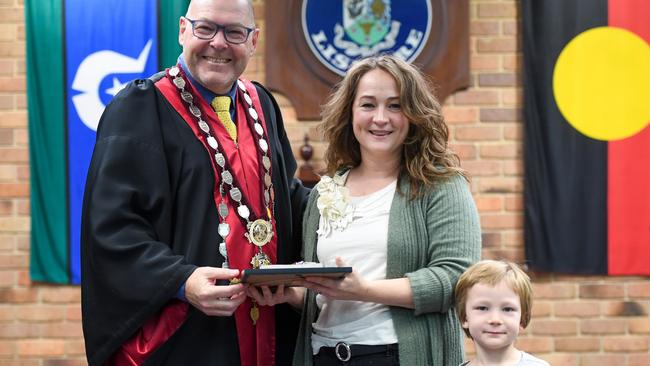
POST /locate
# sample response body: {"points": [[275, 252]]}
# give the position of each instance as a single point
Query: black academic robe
{"points": [[149, 219]]}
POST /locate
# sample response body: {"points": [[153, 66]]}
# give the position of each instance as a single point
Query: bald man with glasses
{"points": [[191, 181]]}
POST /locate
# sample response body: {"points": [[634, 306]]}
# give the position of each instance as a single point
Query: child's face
{"points": [[493, 316]]}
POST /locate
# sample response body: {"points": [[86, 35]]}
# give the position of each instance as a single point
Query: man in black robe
{"points": [[155, 290]]}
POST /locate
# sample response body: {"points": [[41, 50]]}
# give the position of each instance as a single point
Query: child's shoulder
{"points": [[529, 360]]}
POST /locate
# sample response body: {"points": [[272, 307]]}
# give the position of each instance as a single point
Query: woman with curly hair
{"points": [[396, 207]]}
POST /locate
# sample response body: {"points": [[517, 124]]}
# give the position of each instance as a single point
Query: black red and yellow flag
{"points": [[587, 136]]}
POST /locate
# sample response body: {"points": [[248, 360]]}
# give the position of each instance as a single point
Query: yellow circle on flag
{"points": [[601, 83]]}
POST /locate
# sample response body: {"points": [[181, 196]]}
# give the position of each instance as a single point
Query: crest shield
{"points": [[366, 22]]}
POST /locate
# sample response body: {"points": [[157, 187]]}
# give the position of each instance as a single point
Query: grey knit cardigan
{"points": [[431, 241]]}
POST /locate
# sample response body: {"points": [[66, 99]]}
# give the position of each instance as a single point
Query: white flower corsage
{"points": [[335, 210]]}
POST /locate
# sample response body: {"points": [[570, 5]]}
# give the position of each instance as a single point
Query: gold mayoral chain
{"points": [[260, 231]]}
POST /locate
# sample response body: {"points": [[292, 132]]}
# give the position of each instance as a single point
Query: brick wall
{"points": [[577, 321]]}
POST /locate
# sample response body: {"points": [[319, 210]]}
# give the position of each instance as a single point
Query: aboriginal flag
{"points": [[587, 136], [80, 53]]}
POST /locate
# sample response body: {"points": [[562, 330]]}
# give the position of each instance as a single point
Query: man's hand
{"points": [[203, 294]]}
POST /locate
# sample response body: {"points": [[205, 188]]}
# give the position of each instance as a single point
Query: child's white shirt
{"points": [[526, 360]]}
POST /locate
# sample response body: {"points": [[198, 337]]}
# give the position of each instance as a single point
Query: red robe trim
{"points": [[256, 343]]}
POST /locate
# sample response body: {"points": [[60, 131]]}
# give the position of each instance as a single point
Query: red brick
{"points": [[577, 344], [512, 62], [75, 347], [13, 119], [6, 136], [624, 308], [7, 278], [500, 115], [73, 313], [41, 313], [476, 133], [20, 136], [535, 345], [500, 185], [512, 97], [602, 359], [6, 313], [62, 330], [460, 115], [626, 344], [510, 28], [577, 309], [19, 155], [639, 359], [23, 173], [13, 260], [513, 132], [514, 203], [41, 347], [6, 207], [602, 326], [501, 221], [7, 348], [464, 151], [513, 238], [23, 207], [490, 240], [484, 28], [484, 63], [554, 327], [474, 97], [501, 151], [513, 167], [554, 291], [601, 291], [639, 325], [639, 290], [12, 49], [22, 362], [11, 15], [497, 79], [65, 362], [61, 294], [489, 203], [14, 190], [15, 84], [19, 330], [496, 45], [541, 308], [497, 10], [18, 295], [481, 168]]}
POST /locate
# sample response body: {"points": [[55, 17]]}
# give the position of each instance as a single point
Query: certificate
{"points": [[275, 275]]}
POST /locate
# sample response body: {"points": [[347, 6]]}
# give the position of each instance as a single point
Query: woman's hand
{"points": [[351, 287], [393, 292], [264, 296]]}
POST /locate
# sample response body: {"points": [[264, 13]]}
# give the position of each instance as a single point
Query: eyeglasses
{"points": [[206, 30]]}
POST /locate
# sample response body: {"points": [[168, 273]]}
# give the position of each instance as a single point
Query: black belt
{"points": [[344, 352]]}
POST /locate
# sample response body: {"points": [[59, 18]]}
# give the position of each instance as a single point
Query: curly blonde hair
{"points": [[426, 156]]}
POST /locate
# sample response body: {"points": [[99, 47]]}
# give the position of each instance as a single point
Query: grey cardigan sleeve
{"points": [[452, 244]]}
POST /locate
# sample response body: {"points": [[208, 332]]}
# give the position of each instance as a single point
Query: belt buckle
{"points": [[348, 352]]}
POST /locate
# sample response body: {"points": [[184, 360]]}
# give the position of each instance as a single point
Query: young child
{"points": [[494, 302]]}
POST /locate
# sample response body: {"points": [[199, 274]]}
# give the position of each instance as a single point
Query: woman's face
{"points": [[377, 119]]}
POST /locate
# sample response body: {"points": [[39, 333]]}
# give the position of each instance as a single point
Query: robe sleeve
{"points": [[129, 270]]}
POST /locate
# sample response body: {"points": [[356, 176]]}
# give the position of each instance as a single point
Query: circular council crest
{"points": [[339, 32]]}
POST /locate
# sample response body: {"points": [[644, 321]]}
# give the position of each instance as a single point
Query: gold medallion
{"points": [[259, 232]]}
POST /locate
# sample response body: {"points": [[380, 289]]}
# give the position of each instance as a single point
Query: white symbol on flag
{"points": [[92, 70]]}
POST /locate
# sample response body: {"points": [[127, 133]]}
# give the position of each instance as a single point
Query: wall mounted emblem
{"points": [[311, 43]]}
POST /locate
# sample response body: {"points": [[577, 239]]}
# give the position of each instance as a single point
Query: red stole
{"points": [[256, 343]]}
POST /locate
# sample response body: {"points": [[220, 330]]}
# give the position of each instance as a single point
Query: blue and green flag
{"points": [[80, 53]]}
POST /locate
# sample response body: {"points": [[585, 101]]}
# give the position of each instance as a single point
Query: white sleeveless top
{"points": [[362, 245]]}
